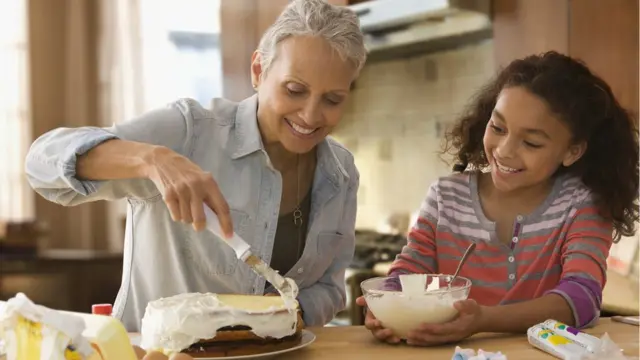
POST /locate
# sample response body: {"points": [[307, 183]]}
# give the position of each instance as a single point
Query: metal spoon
{"points": [[462, 261]]}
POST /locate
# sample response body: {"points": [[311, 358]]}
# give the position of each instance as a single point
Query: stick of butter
{"points": [[34, 332]]}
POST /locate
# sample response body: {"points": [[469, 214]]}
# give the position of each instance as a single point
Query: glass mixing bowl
{"points": [[403, 312]]}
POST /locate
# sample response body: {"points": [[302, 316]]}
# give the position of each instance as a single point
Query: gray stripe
{"points": [[424, 227], [551, 215], [539, 275], [409, 258], [450, 181], [599, 258], [585, 250], [531, 248], [451, 196], [453, 205], [473, 265], [549, 252], [415, 257], [430, 204], [460, 223]]}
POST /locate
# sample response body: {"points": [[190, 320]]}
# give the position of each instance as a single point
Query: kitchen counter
{"points": [[356, 342]]}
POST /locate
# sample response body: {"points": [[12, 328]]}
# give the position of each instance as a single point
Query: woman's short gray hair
{"points": [[338, 25]]}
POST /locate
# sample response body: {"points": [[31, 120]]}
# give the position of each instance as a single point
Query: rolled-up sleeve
{"points": [[50, 164], [321, 301], [584, 264]]}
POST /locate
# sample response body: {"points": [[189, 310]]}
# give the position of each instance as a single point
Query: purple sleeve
{"points": [[584, 296]]}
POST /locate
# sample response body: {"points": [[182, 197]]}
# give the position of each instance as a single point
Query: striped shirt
{"points": [[560, 248]]}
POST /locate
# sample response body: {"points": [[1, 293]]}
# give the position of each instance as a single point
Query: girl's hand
{"points": [[464, 325], [375, 326], [185, 187]]}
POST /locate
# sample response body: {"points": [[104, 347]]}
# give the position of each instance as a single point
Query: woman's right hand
{"points": [[375, 326], [185, 187]]}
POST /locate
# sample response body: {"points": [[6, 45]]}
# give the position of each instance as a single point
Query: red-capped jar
{"points": [[101, 309]]}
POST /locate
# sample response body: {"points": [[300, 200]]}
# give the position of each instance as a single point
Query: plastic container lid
{"points": [[101, 309]]}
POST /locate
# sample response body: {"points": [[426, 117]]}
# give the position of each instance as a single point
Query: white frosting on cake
{"points": [[174, 323]]}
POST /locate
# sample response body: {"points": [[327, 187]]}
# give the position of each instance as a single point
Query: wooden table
{"points": [[355, 342]]}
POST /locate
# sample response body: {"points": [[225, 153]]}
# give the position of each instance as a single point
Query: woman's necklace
{"points": [[297, 213]]}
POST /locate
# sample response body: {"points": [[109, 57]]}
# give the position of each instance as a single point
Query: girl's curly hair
{"points": [[586, 103]]}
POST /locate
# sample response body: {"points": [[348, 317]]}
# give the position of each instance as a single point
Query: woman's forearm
{"points": [[517, 318], [116, 159]]}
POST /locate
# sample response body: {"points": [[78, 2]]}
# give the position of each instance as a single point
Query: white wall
{"points": [[395, 121]]}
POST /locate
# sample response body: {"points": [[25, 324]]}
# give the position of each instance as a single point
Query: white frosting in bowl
{"points": [[174, 323], [402, 304], [402, 313]]}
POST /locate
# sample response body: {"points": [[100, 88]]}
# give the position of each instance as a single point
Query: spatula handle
{"points": [[241, 248]]}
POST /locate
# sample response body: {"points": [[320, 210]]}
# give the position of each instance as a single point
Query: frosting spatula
{"points": [[243, 252]]}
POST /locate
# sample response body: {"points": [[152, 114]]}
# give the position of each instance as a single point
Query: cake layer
{"points": [[243, 332], [174, 323], [242, 347], [253, 303]]}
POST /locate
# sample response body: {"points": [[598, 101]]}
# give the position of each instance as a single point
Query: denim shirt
{"points": [[164, 258]]}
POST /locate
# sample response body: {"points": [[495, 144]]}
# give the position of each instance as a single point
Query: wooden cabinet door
{"points": [[604, 34]]}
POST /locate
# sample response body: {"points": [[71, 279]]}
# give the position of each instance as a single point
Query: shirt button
{"points": [[515, 239], [300, 270], [511, 259], [512, 276], [519, 217]]}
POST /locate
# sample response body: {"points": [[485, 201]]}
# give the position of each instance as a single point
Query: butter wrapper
{"points": [[35, 332]]}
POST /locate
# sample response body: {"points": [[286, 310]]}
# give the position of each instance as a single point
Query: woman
{"points": [[264, 165]]}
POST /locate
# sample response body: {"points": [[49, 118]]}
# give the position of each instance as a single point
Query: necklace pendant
{"points": [[297, 217]]}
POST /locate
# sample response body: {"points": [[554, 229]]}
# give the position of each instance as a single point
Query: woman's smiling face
{"points": [[302, 95], [525, 142]]}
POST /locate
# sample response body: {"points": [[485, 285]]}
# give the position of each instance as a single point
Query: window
{"points": [[181, 51], [16, 197]]}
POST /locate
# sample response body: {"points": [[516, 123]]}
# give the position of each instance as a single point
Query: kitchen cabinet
{"points": [[604, 34], [69, 280]]}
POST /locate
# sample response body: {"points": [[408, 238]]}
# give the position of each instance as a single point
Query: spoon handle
{"points": [[463, 260]]}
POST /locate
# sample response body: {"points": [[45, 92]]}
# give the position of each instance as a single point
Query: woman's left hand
{"points": [[464, 325]]}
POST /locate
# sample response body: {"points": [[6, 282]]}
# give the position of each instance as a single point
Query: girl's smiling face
{"points": [[525, 142]]}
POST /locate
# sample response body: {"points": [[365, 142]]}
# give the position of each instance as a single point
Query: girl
{"points": [[547, 164]]}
